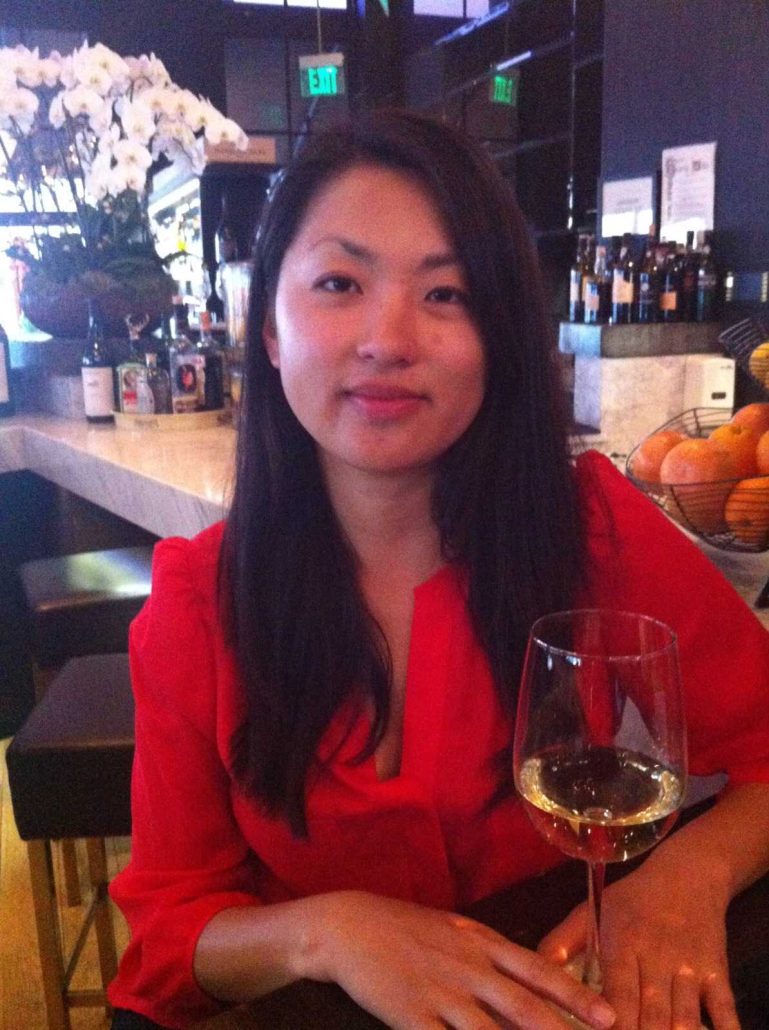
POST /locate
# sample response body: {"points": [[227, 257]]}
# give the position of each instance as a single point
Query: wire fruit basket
{"points": [[748, 343], [731, 514]]}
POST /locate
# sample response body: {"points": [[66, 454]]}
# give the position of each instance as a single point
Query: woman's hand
{"points": [[663, 942], [417, 968]]}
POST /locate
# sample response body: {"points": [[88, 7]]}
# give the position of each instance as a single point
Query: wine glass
{"points": [[600, 742]]}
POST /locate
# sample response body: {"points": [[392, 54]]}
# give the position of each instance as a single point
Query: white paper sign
{"points": [[626, 207], [688, 190]]}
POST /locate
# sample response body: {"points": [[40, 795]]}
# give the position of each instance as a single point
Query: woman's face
{"points": [[378, 355]]}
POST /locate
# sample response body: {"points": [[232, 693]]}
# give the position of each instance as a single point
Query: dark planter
{"points": [[63, 311]]}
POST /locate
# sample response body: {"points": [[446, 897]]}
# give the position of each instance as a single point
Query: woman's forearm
{"points": [[728, 845], [246, 952]]}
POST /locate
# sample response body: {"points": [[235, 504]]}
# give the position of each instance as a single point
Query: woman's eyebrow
{"points": [[357, 250]]}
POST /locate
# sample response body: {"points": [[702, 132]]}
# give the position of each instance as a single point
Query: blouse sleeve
{"points": [[188, 857], [642, 562]]}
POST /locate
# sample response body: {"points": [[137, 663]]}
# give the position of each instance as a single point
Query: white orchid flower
{"points": [[138, 121], [7, 78], [135, 178], [101, 122], [94, 76], [81, 100], [157, 71], [130, 152], [56, 113], [97, 184], [159, 101], [67, 75], [18, 106], [32, 72], [117, 180], [186, 106], [51, 70]]}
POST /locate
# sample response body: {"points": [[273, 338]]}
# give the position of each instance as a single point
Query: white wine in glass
{"points": [[600, 742]]}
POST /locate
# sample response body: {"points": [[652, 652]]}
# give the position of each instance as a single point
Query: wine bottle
{"points": [[588, 273], [623, 283], [575, 282], [599, 290], [689, 269], [96, 371], [648, 281], [707, 281], [7, 406], [669, 285]]}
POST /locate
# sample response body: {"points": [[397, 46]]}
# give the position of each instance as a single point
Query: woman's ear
{"points": [[270, 338]]}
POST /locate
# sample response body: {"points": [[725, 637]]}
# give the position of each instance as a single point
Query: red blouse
{"points": [[198, 846]]}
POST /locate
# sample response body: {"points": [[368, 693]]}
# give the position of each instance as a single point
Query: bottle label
{"points": [[576, 279], [188, 381], [587, 285], [592, 297], [135, 395], [98, 395], [622, 290], [5, 391], [669, 301], [707, 281]]}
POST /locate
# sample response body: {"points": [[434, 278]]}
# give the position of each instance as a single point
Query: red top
{"points": [[198, 847]]}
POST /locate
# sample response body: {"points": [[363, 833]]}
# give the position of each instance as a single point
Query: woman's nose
{"points": [[389, 333]]}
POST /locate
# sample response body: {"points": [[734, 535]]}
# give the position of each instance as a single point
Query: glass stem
{"points": [[591, 974]]}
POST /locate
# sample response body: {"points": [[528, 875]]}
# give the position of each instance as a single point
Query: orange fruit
{"points": [[747, 511], [753, 416], [741, 443], [698, 475], [651, 453], [762, 454], [759, 362]]}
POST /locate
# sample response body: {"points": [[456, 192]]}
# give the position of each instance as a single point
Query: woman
{"points": [[326, 685]]}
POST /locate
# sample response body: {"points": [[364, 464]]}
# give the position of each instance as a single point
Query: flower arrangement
{"points": [[78, 136]]}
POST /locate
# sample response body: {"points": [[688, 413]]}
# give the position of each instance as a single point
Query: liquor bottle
{"points": [[707, 281], [7, 406], [226, 240], [96, 371], [648, 281], [623, 283], [159, 385], [598, 291], [214, 303], [669, 285], [575, 282], [689, 269], [186, 366], [213, 356]]}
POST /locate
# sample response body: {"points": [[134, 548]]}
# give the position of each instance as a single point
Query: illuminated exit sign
{"points": [[322, 75], [503, 88]]}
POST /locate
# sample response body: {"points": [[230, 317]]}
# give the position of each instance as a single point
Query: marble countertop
{"points": [[170, 483], [177, 483]]}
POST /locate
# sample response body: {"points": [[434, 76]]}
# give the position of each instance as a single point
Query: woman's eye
{"points": [[448, 295], [336, 284]]}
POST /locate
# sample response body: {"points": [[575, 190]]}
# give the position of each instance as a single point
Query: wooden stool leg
{"points": [[105, 931], [48, 933], [72, 893]]}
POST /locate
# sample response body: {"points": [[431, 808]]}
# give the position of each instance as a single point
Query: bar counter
{"points": [[177, 483], [170, 483]]}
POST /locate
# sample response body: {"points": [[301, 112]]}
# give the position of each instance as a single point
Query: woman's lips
{"points": [[380, 403]]}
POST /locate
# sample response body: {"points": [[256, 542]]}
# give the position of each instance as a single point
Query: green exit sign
{"points": [[322, 75], [503, 89]]}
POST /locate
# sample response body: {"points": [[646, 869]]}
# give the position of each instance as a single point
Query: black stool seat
{"points": [[82, 604], [69, 766]]}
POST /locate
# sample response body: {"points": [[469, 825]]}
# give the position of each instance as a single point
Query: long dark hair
{"points": [[504, 499]]}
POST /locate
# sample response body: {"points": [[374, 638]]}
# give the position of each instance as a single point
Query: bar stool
{"points": [[81, 604], [69, 773]]}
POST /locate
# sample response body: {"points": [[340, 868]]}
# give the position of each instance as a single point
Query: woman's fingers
{"points": [[567, 939], [719, 1001], [542, 977], [622, 989]]}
